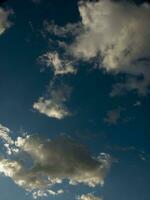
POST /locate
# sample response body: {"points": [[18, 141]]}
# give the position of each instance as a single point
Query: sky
{"points": [[75, 93]]}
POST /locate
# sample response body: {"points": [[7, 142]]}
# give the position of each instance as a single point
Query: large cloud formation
{"points": [[5, 23], [40, 163], [118, 34]]}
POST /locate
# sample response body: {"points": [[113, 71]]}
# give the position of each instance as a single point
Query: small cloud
{"points": [[70, 29], [137, 104], [5, 23], [88, 196], [59, 66], [54, 106]]}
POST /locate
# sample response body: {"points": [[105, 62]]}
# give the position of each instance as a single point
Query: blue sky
{"points": [[74, 106]]}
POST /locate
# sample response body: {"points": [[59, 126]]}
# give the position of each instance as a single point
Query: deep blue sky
{"points": [[22, 83]]}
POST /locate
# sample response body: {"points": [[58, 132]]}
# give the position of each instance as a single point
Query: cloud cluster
{"points": [[54, 106], [41, 163], [59, 66], [5, 23], [88, 196], [118, 34]]}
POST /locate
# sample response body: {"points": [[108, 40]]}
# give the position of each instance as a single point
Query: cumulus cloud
{"points": [[54, 106], [5, 23], [118, 34], [58, 65], [88, 196], [41, 163]]}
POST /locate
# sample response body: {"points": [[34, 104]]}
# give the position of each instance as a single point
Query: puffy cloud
{"points": [[54, 106], [118, 34], [41, 163], [5, 23], [69, 160], [89, 196], [58, 65]]}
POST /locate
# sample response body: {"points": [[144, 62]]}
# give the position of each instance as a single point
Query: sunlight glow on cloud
{"points": [[88, 196], [54, 106], [41, 163], [58, 65]]}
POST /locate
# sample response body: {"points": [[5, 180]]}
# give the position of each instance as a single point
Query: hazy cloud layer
{"points": [[5, 23], [40, 163]]}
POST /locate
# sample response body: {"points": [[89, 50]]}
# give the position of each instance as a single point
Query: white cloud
{"points": [[5, 134], [5, 23], [88, 196], [41, 163], [118, 34], [58, 65], [51, 109], [54, 106]]}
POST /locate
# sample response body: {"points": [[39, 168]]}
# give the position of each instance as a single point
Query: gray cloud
{"points": [[41, 163], [118, 34], [70, 29], [5, 23]]}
